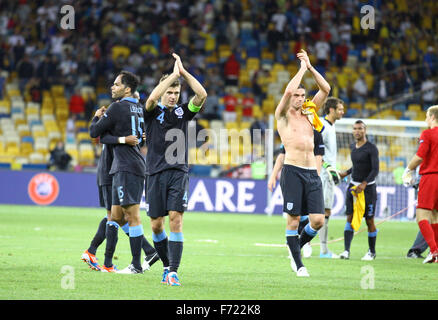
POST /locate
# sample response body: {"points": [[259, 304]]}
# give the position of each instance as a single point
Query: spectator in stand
{"points": [[230, 102], [428, 89], [248, 103], [360, 89], [77, 103], [260, 124], [211, 111], [46, 72], [59, 158], [25, 72], [341, 53], [231, 70], [90, 107], [322, 49]]}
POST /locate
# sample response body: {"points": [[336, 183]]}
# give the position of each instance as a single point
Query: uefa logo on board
{"points": [[43, 188]]}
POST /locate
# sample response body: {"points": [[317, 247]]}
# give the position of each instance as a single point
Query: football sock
{"points": [[307, 234], [135, 240], [111, 233], [372, 237], [176, 240], [162, 247], [98, 237], [145, 245], [323, 235], [293, 242], [435, 231], [348, 236], [125, 228], [303, 221], [428, 234]]}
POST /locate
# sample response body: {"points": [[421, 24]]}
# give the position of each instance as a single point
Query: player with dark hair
{"points": [[124, 117], [333, 111], [427, 205], [104, 183], [167, 178], [364, 170], [300, 184], [279, 162]]}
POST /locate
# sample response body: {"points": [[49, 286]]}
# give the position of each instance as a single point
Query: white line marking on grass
{"points": [[207, 240], [269, 245]]}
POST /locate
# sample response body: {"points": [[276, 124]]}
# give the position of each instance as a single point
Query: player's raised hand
{"points": [[179, 62], [176, 68], [302, 55]]}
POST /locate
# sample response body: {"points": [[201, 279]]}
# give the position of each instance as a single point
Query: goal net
{"points": [[397, 142]]}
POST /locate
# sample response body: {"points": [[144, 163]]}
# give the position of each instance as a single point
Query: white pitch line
{"points": [[269, 245], [207, 240]]}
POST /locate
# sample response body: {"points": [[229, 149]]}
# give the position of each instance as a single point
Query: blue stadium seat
{"points": [[402, 159], [27, 139], [400, 107], [200, 170], [351, 113]]}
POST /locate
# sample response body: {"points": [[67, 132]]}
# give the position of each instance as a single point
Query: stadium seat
{"points": [[372, 106], [36, 157], [414, 107], [26, 148], [23, 130], [13, 150], [83, 137], [86, 157], [268, 106]]}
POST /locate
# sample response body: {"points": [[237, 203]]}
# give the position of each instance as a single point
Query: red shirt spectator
{"points": [[247, 103], [77, 104], [230, 103], [231, 70]]}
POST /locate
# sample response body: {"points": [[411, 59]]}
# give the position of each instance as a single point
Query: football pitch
{"points": [[226, 257]]}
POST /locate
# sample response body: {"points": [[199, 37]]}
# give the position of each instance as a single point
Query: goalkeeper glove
{"points": [[333, 173], [408, 177]]}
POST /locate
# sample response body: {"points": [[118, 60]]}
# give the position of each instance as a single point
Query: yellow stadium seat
{"points": [[57, 90], [204, 122], [231, 125], [13, 93], [86, 157], [26, 148], [39, 134], [370, 106], [252, 63], [81, 124], [120, 51], [268, 106], [37, 158], [245, 125], [395, 150], [6, 158], [414, 107], [83, 136], [13, 150]]}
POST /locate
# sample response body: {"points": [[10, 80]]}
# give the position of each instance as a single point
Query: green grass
{"points": [[37, 242]]}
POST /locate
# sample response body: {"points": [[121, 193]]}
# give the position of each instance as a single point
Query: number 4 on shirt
{"points": [[161, 118]]}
